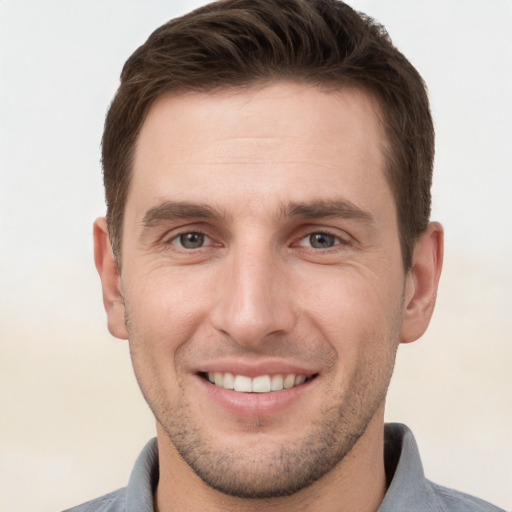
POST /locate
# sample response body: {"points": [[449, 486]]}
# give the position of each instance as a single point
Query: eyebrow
{"points": [[172, 210], [325, 209]]}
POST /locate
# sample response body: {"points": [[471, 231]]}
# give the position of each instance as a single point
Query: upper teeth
{"points": [[259, 384]]}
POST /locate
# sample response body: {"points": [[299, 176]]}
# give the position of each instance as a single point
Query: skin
{"points": [[260, 175]]}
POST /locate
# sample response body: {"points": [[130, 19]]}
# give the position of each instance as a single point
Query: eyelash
{"points": [[177, 240], [337, 240], [178, 236]]}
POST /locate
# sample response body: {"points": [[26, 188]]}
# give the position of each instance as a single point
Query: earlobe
{"points": [[110, 280], [422, 282]]}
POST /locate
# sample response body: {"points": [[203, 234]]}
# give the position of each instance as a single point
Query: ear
{"points": [[110, 280], [421, 283]]}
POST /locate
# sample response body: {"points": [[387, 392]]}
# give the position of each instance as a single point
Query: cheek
{"points": [[361, 323], [157, 328], [167, 303], [356, 311], [164, 313]]}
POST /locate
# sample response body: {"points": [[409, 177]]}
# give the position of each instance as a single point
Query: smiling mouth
{"points": [[258, 384]]}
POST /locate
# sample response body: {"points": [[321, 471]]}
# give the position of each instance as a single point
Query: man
{"points": [[267, 247]]}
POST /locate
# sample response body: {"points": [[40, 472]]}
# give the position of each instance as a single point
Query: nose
{"points": [[254, 299]]}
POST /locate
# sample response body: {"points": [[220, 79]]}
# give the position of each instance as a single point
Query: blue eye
{"points": [[192, 240], [321, 240]]}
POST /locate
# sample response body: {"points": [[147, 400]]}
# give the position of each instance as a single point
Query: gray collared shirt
{"points": [[408, 491]]}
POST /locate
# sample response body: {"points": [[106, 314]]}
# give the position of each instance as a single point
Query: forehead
{"points": [[285, 141]]}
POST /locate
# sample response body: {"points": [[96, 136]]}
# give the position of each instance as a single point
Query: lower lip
{"points": [[255, 404]]}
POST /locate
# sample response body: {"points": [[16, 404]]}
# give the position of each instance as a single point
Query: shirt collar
{"points": [[407, 484], [143, 480]]}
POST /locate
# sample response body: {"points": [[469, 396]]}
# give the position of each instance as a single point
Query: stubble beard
{"points": [[262, 475], [257, 474]]}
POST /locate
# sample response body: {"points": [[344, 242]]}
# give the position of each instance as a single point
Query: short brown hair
{"points": [[238, 43]]}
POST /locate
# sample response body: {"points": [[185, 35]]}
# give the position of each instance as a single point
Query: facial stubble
{"points": [[287, 469]]}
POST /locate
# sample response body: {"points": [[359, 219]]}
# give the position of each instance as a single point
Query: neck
{"points": [[357, 483]]}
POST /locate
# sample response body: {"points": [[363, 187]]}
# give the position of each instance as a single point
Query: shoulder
{"points": [[137, 496], [450, 500], [111, 502], [410, 490]]}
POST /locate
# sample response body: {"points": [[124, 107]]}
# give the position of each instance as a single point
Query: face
{"points": [[262, 281]]}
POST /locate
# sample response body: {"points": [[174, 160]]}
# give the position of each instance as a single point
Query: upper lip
{"points": [[254, 368]]}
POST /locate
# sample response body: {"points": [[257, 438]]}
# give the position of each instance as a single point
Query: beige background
{"points": [[71, 417]]}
